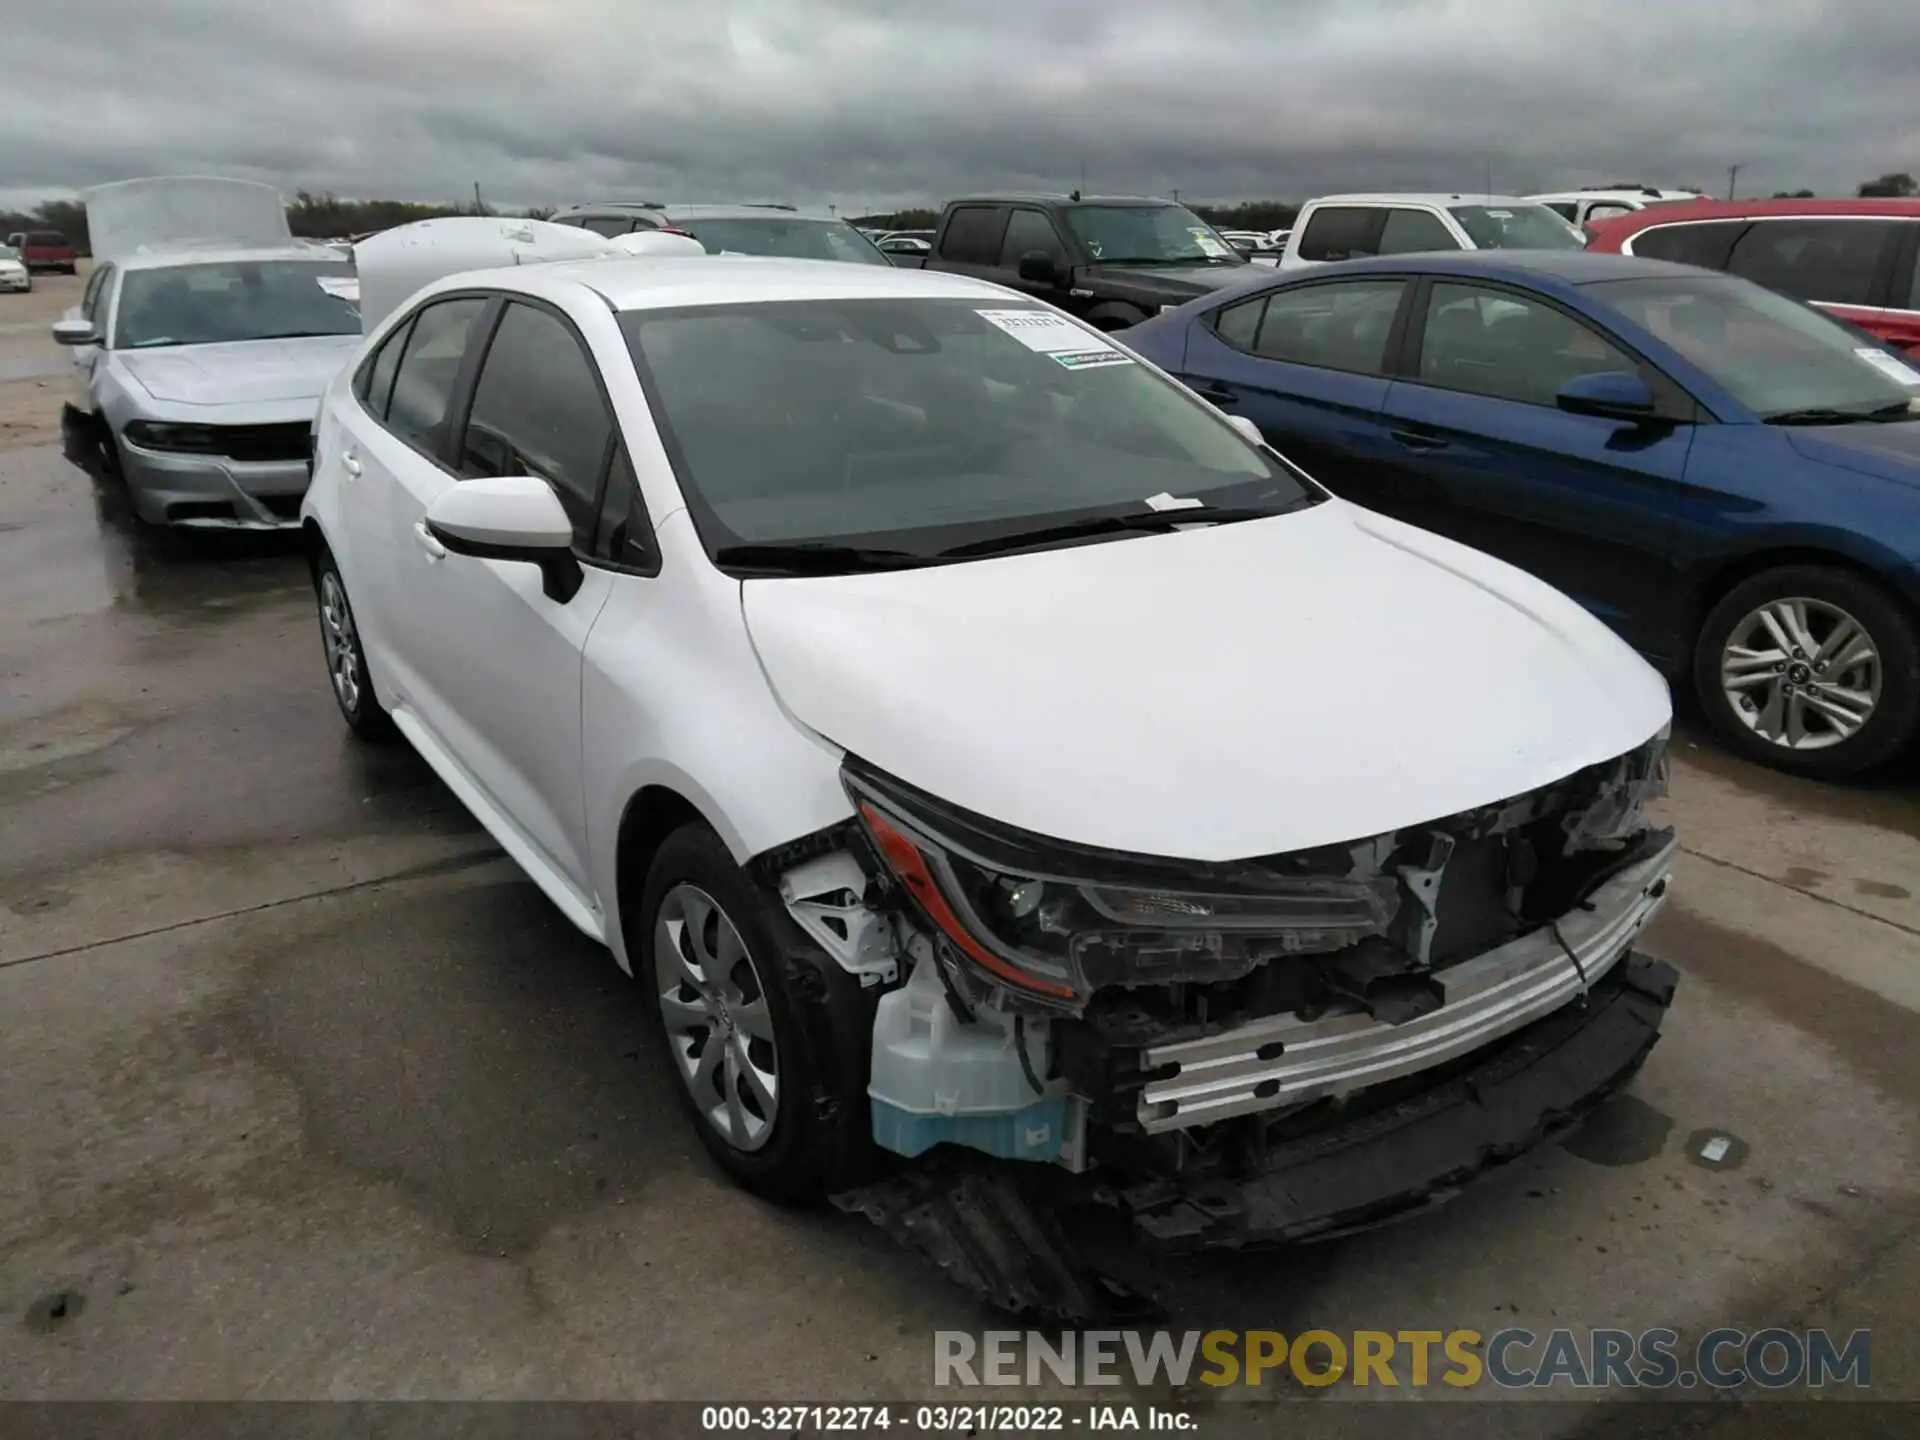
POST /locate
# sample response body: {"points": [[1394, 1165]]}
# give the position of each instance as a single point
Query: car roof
{"points": [[661, 281], [1420, 198], [1057, 198], [1522, 267], [741, 212], [1630, 193], [1705, 209]]}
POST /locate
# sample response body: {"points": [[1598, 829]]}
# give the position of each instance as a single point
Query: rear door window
{"points": [[1838, 261], [1410, 232], [972, 236], [1238, 325], [374, 383], [608, 225], [423, 382], [1342, 232], [1707, 244], [1343, 326]]}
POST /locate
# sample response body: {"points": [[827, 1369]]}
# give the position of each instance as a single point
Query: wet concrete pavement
{"points": [[304, 1092]]}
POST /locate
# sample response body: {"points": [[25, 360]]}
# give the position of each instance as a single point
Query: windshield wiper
{"points": [[1827, 415], [815, 557], [1147, 521]]}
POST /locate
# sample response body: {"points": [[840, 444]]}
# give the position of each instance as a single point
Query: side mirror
{"points": [[1037, 268], [509, 517], [78, 331], [1247, 428], [1609, 394]]}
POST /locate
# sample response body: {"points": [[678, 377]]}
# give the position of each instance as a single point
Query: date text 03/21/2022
{"points": [[939, 1419]]}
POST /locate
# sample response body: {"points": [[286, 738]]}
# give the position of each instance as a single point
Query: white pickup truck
{"points": [[1353, 227]]}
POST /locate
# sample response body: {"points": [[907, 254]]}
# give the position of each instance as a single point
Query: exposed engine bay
{"points": [[1164, 1029]]}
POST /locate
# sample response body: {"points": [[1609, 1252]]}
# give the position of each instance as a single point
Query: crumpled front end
{"points": [[1193, 1041]]}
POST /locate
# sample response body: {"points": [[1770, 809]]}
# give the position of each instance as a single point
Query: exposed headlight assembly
{"points": [[1053, 922]]}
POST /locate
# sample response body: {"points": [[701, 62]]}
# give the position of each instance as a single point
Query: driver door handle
{"points": [[435, 550], [350, 463], [1214, 394], [1415, 440]]}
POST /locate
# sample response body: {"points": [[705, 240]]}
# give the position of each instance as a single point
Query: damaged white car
{"points": [[1030, 800]]}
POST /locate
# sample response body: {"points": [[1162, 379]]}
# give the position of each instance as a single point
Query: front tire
{"points": [[347, 673], [1811, 669], [761, 1028]]}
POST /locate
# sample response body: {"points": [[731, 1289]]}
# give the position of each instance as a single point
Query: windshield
{"points": [[46, 237], [794, 237], [236, 300], [1149, 234], [1774, 355], [926, 423], [7, 252], [1517, 227]]}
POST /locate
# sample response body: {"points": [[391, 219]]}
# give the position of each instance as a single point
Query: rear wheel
{"points": [[346, 661], [1812, 669], [752, 1015]]}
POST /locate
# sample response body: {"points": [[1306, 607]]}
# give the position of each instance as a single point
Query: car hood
{"points": [[1211, 694], [242, 371], [1182, 281], [1890, 452]]}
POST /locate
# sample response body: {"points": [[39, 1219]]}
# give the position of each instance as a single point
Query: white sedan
{"points": [[14, 274], [972, 738]]}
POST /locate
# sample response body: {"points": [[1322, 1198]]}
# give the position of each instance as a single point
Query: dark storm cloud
{"points": [[865, 102]]}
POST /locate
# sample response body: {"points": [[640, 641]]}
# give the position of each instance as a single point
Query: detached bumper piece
{"points": [[1403, 1158], [1002, 1231]]}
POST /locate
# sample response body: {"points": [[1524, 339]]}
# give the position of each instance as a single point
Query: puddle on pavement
{"points": [[69, 545], [1624, 1131], [473, 1047]]}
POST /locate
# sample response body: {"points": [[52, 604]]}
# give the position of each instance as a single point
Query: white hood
{"points": [[241, 372], [397, 263], [1212, 694], [175, 211]]}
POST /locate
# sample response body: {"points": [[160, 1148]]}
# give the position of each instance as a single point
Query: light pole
{"points": [[1732, 171]]}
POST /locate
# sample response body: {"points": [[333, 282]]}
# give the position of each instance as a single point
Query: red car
{"points": [[45, 250], [1854, 258]]}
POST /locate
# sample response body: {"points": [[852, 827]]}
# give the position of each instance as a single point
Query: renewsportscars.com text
{"points": [[1510, 1359]]}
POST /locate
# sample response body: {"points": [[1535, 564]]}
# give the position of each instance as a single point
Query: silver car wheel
{"points": [[717, 1023], [342, 642], [1802, 673]]}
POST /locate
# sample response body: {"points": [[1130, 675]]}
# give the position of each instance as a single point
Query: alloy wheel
{"points": [[1801, 673], [717, 1023], [342, 642]]}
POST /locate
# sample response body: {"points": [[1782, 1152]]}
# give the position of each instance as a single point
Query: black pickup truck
{"points": [[1112, 260]]}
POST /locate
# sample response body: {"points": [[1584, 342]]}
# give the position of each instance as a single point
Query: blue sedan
{"points": [[1727, 477]]}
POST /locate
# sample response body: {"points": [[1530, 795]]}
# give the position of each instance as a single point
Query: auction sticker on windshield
{"points": [[1889, 366], [1056, 337], [1210, 246]]}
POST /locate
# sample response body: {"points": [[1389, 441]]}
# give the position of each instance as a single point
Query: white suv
{"points": [[979, 745], [1354, 227]]}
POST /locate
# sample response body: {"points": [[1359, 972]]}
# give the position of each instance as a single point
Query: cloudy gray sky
{"points": [[866, 103]]}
